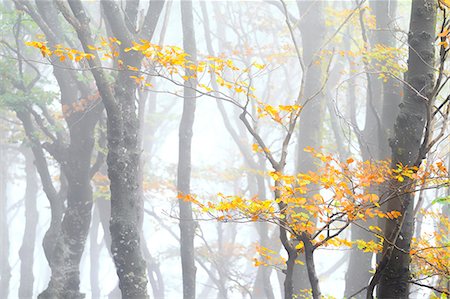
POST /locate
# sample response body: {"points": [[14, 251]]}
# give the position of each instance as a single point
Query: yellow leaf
{"points": [[444, 33], [299, 246], [275, 175], [258, 66], [299, 262], [132, 68], [444, 44]]}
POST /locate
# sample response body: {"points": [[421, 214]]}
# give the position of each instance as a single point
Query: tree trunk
{"points": [[94, 253], [55, 198], [123, 157], [26, 252], [381, 110], [187, 224], [310, 265], [123, 171], [5, 267], [313, 30], [409, 132]]}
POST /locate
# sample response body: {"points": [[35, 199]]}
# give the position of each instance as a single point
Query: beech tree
{"points": [[187, 223], [119, 100], [410, 145]]}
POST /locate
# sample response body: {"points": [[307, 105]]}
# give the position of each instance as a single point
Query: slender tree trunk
{"points": [[94, 253], [154, 273], [5, 267], [381, 110], [187, 224], [262, 286], [311, 267], [312, 27], [55, 198], [360, 262], [104, 211], [26, 252], [409, 132]]}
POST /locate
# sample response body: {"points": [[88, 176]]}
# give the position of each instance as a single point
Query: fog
{"points": [[224, 149]]}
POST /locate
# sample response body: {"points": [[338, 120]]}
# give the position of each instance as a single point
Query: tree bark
{"points": [[409, 132], [187, 223], [26, 252], [123, 157], [311, 268]]}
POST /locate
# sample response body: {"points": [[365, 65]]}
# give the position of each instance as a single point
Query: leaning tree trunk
{"points": [[54, 197], [406, 144], [187, 224], [26, 252]]}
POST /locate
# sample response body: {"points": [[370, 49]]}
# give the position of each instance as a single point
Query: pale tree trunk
{"points": [[313, 31], [5, 267], [26, 252], [381, 109], [54, 197], [94, 253], [359, 264], [64, 242], [408, 135], [187, 223]]}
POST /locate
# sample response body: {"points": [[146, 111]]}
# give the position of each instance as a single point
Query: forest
{"points": [[224, 149]]}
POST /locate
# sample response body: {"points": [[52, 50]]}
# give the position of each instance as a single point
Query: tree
{"points": [[187, 223], [64, 242], [410, 145], [123, 159], [26, 252]]}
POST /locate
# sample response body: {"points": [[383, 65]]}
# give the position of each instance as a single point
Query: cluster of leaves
{"points": [[430, 252], [169, 62], [18, 99], [335, 17], [59, 51], [268, 257], [321, 204], [81, 105], [318, 203], [444, 37], [277, 113], [101, 183], [385, 60]]}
